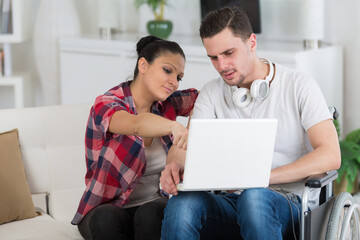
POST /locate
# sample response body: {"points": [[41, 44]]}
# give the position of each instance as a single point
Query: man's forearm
{"points": [[318, 161], [176, 155]]}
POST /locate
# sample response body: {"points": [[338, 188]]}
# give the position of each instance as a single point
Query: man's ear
{"points": [[142, 65], [252, 42]]}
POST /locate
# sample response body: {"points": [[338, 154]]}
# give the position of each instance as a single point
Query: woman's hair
{"points": [[233, 18], [151, 47]]}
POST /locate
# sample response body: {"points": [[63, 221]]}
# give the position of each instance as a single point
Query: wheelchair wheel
{"points": [[344, 218]]}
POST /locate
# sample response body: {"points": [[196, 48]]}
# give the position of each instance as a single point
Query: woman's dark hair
{"points": [[234, 18], [151, 47]]}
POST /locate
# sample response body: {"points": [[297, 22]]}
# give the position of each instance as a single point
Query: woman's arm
{"points": [[148, 125]]}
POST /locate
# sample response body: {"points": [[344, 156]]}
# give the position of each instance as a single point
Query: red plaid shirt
{"points": [[116, 162]]}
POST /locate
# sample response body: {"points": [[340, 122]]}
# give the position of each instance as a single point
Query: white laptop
{"points": [[228, 154]]}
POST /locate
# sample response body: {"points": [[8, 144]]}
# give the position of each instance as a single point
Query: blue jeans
{"points": [[255, 214]]}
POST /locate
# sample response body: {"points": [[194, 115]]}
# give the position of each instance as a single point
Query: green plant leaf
{"points": [[350, 151], [349, 186], [354, 136], [153, 4], [358, 161], [352, 172], [156, 6], [350, 157], [350, 164], [138, 3], [342, 170]]}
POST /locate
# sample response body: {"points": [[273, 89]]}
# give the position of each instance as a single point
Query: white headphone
{"points": [[259, 89]]}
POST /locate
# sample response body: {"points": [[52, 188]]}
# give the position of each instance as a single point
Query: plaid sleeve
{"points": [[104, 107], [183, 101]]}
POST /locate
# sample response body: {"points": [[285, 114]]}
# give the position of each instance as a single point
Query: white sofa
{"points": [[52, 145]]}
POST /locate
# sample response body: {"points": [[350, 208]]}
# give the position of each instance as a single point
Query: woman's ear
{"points": [[142, 65]]}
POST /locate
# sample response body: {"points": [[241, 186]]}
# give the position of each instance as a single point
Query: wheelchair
{"points": [[334, 218]]}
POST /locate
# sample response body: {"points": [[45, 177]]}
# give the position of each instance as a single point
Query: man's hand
{"points": [[170, 176]]}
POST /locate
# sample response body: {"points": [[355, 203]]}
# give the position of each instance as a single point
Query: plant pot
{"points": [[161, 29]]}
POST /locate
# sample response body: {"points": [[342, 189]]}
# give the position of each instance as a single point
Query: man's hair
{"points": [[233, 18]]}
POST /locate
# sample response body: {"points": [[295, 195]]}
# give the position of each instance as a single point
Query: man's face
{"points": [[231, 56]]}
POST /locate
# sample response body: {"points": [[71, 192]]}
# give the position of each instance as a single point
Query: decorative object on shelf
{"points": [[54, 19], [107, 17], [158, 27], [312, 22]]}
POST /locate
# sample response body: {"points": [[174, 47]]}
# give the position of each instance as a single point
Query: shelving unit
{"points": [[112, 62], [21, 87], [20, 32]]}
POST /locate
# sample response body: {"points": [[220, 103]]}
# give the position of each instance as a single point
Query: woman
{"points": [[130, 130]]}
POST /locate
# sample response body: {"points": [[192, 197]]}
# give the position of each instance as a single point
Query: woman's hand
{"points": [[180, 134]]}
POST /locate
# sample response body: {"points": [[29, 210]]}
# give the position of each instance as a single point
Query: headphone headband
{"points": [[271, 70]]}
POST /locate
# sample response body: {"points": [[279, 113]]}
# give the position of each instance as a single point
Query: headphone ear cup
{"points": [[259, 89], [241, 97]]}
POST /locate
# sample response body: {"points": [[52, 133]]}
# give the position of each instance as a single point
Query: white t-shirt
{"points": [[294, 99]]}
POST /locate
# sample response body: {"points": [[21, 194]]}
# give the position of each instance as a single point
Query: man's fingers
{"points": [[175, 175], [168, 183]]}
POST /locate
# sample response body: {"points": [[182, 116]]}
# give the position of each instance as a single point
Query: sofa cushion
{"points": [[42, 227], [15, 198]]}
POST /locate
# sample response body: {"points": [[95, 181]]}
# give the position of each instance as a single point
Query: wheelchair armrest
{"points": [[321, 180]]}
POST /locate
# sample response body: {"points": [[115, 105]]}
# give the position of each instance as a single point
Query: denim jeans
{"points": [[254, 214]]}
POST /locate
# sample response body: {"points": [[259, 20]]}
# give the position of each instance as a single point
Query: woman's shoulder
{"points": [[117, 97], [121, 91]]}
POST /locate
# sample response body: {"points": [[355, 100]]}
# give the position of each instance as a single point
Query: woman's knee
{"points": [[150, 214], [108, 218]]}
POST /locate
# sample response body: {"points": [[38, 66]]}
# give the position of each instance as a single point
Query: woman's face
{"points": [[162, 76]]}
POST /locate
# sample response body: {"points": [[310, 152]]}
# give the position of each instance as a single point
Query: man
{"points": [[306, 141]]}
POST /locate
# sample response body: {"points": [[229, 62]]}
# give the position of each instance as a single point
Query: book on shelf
{"points": [[5, 16]]}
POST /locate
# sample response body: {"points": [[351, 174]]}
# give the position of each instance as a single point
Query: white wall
{"points": [[343, 28], [280, 20]]}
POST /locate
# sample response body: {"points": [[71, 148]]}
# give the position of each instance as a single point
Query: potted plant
{"points": [[158, 27], [350, 162]]}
